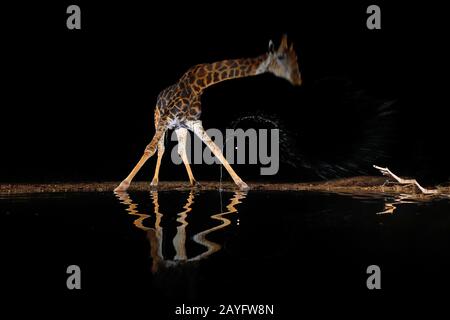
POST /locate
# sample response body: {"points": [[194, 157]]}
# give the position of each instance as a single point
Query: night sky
{"points": [[77, 105]]}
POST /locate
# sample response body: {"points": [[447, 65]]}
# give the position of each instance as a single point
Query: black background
{"points": [[78, 104]]}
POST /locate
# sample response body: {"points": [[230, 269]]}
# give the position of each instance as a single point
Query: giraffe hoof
{"points": [[195, 184], [154, 184], [242, 185], [123, 186]]}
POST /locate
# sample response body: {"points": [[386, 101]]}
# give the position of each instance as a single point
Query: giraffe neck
{"points": [[205, 75]]}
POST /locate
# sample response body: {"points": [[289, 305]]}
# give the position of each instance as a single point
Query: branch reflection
{"points": [[391, 203]]}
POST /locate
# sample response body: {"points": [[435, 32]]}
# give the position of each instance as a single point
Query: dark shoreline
{"points": [[359, 185]]}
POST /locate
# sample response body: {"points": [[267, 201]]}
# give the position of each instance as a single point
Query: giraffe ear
{"points": [[271, 47], [284, 43]]}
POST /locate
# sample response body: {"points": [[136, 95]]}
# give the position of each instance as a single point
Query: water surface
{"points": [[160, 249]]}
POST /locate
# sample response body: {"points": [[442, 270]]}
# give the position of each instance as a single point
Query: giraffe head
{"points": [[283, 62]]}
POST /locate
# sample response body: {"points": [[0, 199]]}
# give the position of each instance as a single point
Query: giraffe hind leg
{"points": [[148, 153], [161, 149]]}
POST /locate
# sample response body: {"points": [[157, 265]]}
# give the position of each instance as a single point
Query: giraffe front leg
{"points": [[182, 140], [197, 128], [161, 150]]}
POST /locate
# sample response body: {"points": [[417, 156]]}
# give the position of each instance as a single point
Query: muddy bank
{"points": [[363, 184]]}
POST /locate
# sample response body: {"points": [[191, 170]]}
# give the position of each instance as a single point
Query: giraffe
{"points": [[178, 107]]}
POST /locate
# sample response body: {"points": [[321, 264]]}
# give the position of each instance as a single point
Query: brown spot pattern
{"points": [[182, 100]]}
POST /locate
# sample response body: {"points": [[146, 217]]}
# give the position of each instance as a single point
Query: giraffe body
{"points": [[179, 105], [181, 102]]}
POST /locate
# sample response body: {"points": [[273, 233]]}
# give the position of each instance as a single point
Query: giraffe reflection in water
{"points": [[155, 233]]}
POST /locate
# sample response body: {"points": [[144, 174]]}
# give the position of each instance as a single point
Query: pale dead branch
{"points": [[389, 173]]}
